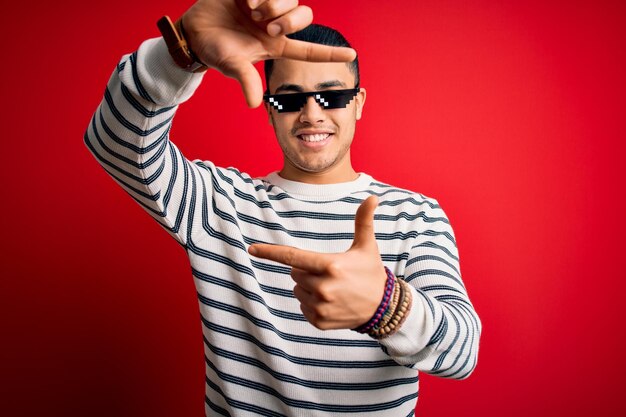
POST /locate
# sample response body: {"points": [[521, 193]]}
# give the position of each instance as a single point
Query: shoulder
{"points": [[230, 177], [392, 196], [415, 211]]}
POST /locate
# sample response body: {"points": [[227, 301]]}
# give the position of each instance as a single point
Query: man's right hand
{"points": [[232, 35]]}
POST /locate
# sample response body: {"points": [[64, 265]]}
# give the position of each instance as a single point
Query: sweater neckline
{"points": [[319, 191]]}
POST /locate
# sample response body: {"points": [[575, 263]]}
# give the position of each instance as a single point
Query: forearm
{"points": [[441, 334], [128, 134], [438, 337]]}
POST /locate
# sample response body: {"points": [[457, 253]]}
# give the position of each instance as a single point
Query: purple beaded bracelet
{"points": [[384, 304]]}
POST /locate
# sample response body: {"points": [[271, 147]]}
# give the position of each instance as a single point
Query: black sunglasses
{"points": [[327, 99]]}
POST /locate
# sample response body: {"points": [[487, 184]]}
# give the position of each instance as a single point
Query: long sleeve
{"points": [[129, 135], [441, 333]]}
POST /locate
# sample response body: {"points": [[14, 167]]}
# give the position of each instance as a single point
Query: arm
{"points": [[343, 291], [441, 333], [129, 132]]}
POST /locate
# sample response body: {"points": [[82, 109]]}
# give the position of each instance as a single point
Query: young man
{"points": [[322, 291]]}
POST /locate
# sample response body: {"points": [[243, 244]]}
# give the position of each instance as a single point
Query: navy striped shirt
{"points": [[262, 356]]}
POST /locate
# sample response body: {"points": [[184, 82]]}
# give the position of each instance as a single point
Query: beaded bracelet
{"points": [[383, 306], [392, 307], [393, 324]]}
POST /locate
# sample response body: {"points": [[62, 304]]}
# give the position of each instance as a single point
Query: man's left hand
{"points": [[336, 290]]}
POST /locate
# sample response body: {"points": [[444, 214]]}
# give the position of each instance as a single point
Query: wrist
{"points": [[178, 46], [398, 312], [162, 81], [392, 310], [383, 307]]}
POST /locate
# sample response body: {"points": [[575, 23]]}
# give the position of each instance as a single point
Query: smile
{"points": [[314, 138]]}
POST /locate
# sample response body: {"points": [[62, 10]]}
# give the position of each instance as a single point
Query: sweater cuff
{"points": [[164, 81], [409, 342]]}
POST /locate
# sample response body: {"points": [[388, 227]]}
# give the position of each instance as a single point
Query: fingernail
{"points": [[273, 29], [253, 3], [252, 250], [256, 15]]}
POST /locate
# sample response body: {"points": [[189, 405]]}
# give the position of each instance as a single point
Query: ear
{"points": [[360, 102]]}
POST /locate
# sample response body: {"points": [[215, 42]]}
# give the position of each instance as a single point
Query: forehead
{"points": [[309, 74]]}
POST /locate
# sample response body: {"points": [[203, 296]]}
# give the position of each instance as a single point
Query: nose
{"points": [[312, 112]]}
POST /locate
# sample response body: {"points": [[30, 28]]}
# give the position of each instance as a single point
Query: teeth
{"points": [[315, 138]]}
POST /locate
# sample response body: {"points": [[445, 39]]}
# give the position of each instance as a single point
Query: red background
{"points": [[511, 114]]}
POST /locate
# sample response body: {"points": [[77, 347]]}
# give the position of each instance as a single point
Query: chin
{"points": [[315, 168]]}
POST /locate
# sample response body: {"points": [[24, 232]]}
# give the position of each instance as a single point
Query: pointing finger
{"points": [[295, 20], [307, 51], [309, 261], [364, 223]]}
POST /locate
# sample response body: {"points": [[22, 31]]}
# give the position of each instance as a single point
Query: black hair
{"points": [[322, 35]]}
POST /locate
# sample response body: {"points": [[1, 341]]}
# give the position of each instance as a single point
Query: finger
{"points": [[364, 223], [253, 4], [313, 52], [292, 21], [305, 279], [302, 295], [309, 313], [309, 261], [248, 77], [273, 9]]}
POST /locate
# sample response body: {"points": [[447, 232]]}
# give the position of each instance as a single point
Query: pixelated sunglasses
{"points": [[327, 99]]}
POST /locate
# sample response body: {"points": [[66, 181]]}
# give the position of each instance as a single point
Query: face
{"points": [[315, 142]]}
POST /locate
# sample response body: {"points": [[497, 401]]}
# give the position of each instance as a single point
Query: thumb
{"points": [[364, 223], [248, 77]]}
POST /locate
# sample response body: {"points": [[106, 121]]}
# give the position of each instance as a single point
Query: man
{"points": [[322, 291]]}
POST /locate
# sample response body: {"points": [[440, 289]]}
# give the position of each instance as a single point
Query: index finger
{"points": [[298, 258], [313, 52]]}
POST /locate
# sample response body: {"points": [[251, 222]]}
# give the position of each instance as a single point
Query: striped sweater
{"points": [[262, 356]]}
